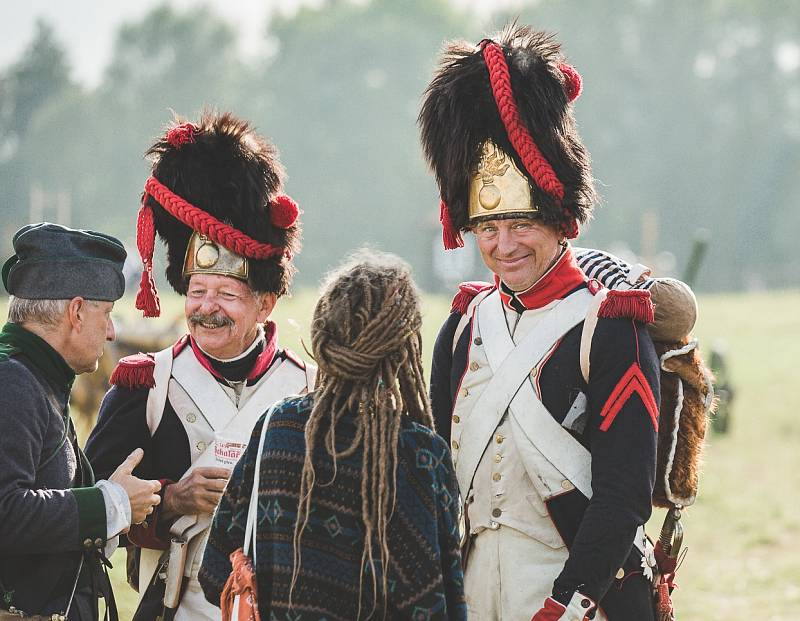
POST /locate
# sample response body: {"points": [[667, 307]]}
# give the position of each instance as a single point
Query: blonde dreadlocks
{"points": [[366, 340]]}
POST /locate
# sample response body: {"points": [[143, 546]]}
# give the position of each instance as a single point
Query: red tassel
{"points": [[134, 372], [450, 237], [634, 304], [147, 297], [664, 599]]}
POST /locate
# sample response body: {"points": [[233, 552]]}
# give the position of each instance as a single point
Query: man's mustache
{"points": [[216, 320]]}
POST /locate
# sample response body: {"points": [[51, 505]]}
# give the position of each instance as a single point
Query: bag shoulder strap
{"points": [[252, 511], [157, 397], [589, 325]]}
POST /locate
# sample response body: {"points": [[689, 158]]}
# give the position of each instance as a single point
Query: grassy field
{"points": [[742, 533], [743, 561]]}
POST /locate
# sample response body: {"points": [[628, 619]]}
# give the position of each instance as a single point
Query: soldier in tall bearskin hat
{"points": [[545, 383], [215, 198]]}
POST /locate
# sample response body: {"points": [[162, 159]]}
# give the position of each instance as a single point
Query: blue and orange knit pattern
{"points": [[425, 577]]}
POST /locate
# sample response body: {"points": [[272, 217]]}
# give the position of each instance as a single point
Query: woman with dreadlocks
{"points": [[357, 499]]}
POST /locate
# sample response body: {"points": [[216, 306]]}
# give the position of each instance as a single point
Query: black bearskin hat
{"points": [[460, 112], [225, 170]]}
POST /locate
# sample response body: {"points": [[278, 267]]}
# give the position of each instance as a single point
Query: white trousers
{"points": [[509, 575]]}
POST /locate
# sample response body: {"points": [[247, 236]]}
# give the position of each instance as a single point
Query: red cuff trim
{"points": [[134, 372], [633, 382], [551, 611], [147, 534], [634, 304], [144, 535]]}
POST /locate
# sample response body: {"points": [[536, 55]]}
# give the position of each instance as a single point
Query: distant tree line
{"points": [[691, 112]]}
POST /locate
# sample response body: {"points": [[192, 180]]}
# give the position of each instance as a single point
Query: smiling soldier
{"points": [[545, 383], [214, 198]]}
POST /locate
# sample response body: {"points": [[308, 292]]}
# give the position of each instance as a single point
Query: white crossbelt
{"points": [[508, 388]]}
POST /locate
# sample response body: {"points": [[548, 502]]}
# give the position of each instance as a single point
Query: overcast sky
{"points": [[87, 27]]}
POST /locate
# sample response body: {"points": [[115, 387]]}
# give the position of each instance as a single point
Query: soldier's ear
{"points": [[76, 313], [266, 303]]}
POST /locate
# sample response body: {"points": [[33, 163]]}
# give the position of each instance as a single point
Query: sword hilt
{"points": [[671, 537]]}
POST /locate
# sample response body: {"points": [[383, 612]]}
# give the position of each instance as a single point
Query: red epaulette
{"points": [[631, 304], [290, 355], [466, 292], [134, 372]]}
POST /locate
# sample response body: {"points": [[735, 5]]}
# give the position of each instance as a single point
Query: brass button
{"points": [[191, 417], [620, 574], [499, 438], [565, 484], [465, 392], [455, 445], [496, 477], [456, 418], [87, 543], [497, 513], [98, 543], [145, 525], [498, 459], [474, 366], [478, 340], [201, 446]]}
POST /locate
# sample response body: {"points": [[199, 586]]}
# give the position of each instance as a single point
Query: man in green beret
{"points": [[56, 522]]}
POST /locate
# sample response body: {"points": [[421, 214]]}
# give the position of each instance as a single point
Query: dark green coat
{"points": [[50, 511]]}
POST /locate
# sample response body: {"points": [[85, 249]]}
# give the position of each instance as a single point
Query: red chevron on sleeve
{"points": [[633, 382]]}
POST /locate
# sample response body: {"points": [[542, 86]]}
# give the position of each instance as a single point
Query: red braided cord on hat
{"points": [[216, 230], [535, 163]]}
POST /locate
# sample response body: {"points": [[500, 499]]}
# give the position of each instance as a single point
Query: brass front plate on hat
{"points": [[203, 256], [206, 256], [497, 186]]}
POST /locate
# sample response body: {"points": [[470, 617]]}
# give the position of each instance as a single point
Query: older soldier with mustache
{"points": [[214, 198]]}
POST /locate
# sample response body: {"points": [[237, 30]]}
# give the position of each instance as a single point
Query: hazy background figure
{"points": [[358, 505]]}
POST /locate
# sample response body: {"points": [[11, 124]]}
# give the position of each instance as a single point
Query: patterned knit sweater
{"points": [[425, 578]]}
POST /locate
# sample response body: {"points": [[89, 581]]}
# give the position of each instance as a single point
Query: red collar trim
{"points": [[564, 277], [262, 363]]}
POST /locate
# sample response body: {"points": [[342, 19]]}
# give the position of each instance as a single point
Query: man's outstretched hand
{"points": [[142, 494]]}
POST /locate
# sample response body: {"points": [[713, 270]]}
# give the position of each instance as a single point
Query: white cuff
{"points": [[118, 507]]}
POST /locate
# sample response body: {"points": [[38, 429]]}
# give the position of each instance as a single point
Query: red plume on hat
{"points": [[219, 178], [514, 90]]}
